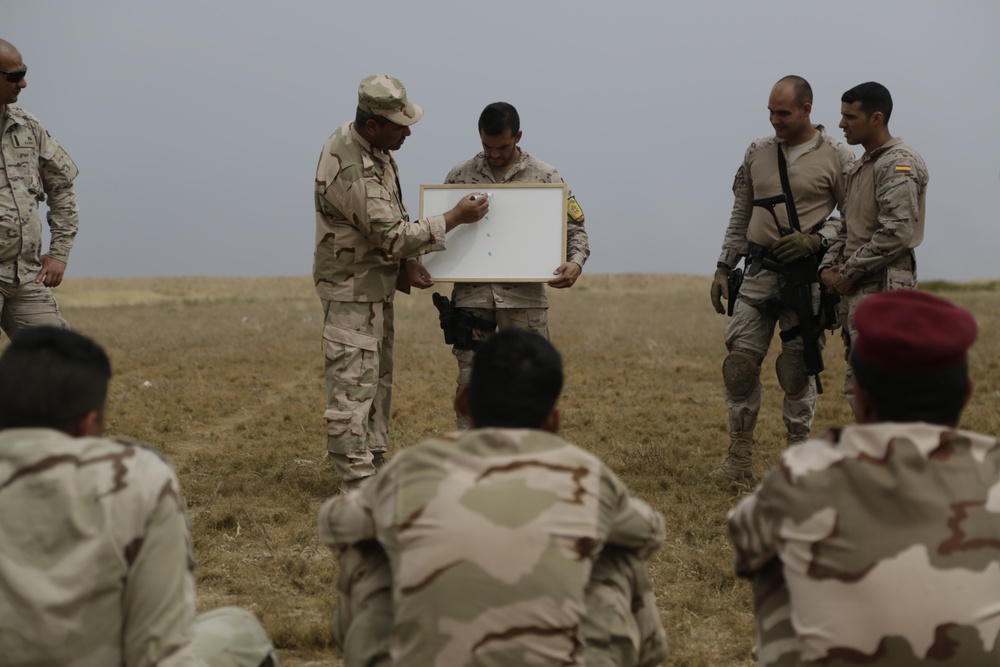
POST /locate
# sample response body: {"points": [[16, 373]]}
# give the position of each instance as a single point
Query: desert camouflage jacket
{"points": [[491, 534], [817, 183], [888, 537], [884, 215], [518, 295], [95, 554], [362, 227], [33, 167]]}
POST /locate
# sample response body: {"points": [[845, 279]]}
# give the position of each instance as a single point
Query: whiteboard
{"points": [[521, 239]]}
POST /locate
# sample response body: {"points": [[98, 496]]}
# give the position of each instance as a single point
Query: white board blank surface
{"points": [[521, 239]]}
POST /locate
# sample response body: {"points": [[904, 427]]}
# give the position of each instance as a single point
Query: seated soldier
{"points": [[506, 545], [879, 544], [95, 551]]}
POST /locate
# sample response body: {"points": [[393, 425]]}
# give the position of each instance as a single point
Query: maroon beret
{"points": [[910, 330]]}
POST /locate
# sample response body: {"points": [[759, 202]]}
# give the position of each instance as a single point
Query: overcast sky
{"points": [[197, 124]]}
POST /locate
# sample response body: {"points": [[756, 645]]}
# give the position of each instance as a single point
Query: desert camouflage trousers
{"points": [[357, 342], [895, 278], [535, 320], [26, 306], [231, 637], [622, 627], [750, 332]]}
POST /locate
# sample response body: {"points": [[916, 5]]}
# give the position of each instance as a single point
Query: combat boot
{"points": [[378, 460], [738, 466]]}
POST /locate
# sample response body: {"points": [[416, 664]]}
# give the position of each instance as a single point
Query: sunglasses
{"points": [[15, 77]]}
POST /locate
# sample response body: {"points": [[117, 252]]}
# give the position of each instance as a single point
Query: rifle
{"points": [[800, 275]]}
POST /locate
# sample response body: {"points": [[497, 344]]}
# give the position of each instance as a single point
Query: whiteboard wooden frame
{"points": [[521, 239]]}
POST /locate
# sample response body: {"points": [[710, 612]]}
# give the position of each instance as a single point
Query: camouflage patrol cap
{"points": [[385, 96], [912, 331]]}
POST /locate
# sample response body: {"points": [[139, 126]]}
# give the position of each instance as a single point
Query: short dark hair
{"points": [[803, 91], [873, 97], [516, 380], [361, 117], [935, 397], [51, 378], [499, 117]]}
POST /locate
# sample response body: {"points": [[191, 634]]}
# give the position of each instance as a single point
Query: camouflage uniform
{"points": [[96, 562], [883, 223], [362, 233], [33, 167], [492, 536], [876, 545], [817, 184], [512, 305]]}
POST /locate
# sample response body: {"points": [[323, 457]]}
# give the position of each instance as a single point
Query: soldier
{"points": [[33, 167], [492, 536], [518, 305], [884, 218], [95, 550], [877, 543], [363, 233], [814, 162]]}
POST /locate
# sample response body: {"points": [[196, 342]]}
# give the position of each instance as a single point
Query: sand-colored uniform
{"points": [[96, 562], [513, 305], [817, 184], [883, 223], [492, 536], [876, 545], [362, 233], [33, 168]]}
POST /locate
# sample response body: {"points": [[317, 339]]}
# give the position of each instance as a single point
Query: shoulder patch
{"points": [[574, 210], [903, 169]]}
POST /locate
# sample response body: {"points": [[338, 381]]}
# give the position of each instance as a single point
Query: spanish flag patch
{"points": [[903, 169], [574, 210]]}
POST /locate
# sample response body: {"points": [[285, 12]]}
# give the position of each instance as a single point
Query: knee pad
{"points": [[790, 368], [739, 372]]}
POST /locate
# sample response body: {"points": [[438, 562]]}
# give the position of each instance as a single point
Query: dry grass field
{"points": [[225, 376]]}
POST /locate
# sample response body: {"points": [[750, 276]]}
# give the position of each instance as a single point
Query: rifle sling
{"points": [[786, 189]]}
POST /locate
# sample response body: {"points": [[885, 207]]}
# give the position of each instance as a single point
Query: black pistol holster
{"points": [[446, 316], [735, 282], [458, 324]]}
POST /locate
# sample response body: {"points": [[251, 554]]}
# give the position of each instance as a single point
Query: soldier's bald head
{"points": [[801, 90], [6, 48]]}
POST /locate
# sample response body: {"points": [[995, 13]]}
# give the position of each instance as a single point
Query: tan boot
{"points": [[738, 466]]}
